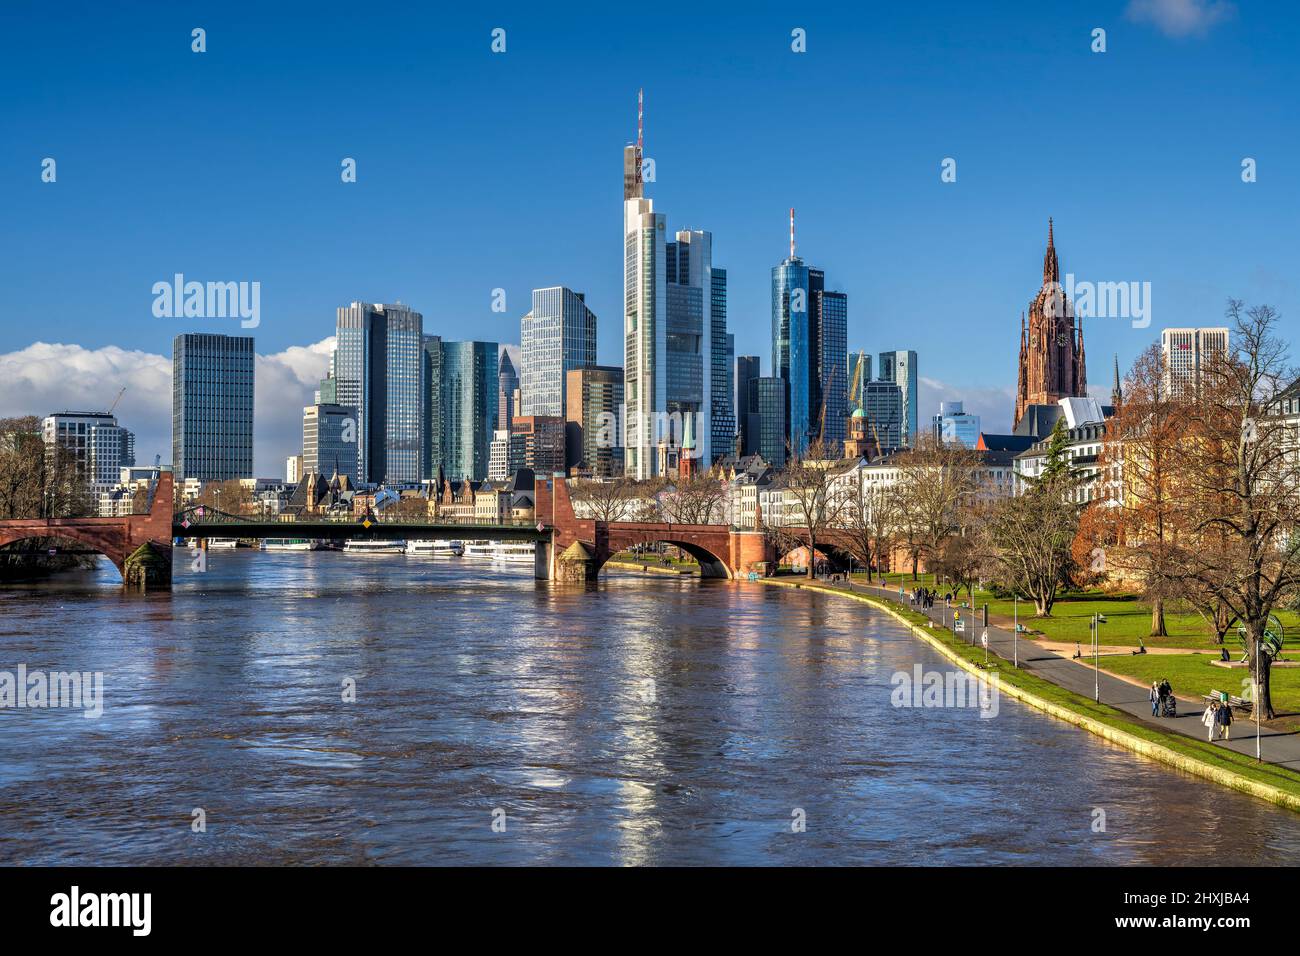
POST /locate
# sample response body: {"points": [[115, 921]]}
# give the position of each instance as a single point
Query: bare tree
{"points": [[936, 481], [36, 480], [1140, 443], [866, 522], [820, 492], [698, 499], [618, 499], [1236, 487]]}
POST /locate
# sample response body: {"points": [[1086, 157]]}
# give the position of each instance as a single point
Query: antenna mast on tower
{"points": [[791, 232]]}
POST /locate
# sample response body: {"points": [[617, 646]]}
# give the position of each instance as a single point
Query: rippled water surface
{"points": [[644, 720]]}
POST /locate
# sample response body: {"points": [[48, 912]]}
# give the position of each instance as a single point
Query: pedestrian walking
{"points": [[1155, 698], [1210, 718], [1225, 721]]}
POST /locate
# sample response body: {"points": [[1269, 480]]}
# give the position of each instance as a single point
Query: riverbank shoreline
{"points": [[1175, 750]]}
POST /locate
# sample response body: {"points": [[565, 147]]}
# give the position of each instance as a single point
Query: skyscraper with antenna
{"points": [[674, 318]]}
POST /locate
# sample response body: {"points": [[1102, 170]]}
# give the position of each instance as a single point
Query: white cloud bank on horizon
{"points": [[1181, 18], [50, 377]]}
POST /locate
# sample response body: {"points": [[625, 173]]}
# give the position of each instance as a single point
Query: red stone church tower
{"points": [[1051, 348]]}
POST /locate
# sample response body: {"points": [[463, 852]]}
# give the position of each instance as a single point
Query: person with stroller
{"points": [[1168, 702]]}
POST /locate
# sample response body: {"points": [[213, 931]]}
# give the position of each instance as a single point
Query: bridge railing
{"points": [[210, 517]]}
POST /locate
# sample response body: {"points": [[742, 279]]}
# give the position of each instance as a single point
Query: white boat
{"points": [[515, 552], [366, 546], [214, 543], [289, 544], [439, 546], [480, 549]]}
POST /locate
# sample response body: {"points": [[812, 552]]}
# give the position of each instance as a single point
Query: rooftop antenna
{"points": [[640, 118], [791, 232]]}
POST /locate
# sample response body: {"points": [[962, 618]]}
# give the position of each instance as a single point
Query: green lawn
{"points": [[1193, 675], [1128, 620]]}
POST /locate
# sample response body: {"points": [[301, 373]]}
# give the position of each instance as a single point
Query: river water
{"points": [[644, 720]]}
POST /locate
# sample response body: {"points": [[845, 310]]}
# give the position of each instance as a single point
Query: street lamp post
{"points": [[1097, 621], [1015, 630]]}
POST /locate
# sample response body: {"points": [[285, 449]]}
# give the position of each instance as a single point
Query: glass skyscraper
{"points": [[900, 368], [469, 407], [748, 367], [329, 440], [377, 366], [212, 406], [767, 427], [830, 320], [557, 336], [722, 413], [508, 384], [431, 458], [668, 328], [791, 347]]}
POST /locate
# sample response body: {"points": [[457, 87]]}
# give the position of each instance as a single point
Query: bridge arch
{"points": [[105, 544], [712, 565]]}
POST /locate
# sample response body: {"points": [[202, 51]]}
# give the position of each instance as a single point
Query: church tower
{"points": [[1051, 345]]}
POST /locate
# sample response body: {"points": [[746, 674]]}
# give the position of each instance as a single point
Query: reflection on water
{"points": [[645, 720]]}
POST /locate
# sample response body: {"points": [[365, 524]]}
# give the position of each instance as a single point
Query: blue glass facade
{"points": [[791, 346], [469, 407], [900, 368], [557, 336]]}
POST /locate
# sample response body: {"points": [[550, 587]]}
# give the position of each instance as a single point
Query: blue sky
{"points": [[479, 170]]}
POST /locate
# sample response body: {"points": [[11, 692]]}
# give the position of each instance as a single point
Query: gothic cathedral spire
{"points": [[1052, 363]]}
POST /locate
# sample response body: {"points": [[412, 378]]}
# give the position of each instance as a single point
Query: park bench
{"points": [[1237, 703]]}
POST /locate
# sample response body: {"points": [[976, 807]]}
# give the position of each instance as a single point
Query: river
{"points": [[499, 720]]}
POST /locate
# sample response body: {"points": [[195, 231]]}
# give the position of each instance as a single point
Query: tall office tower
{"points": [[667, 325], [537, 443], [791, 356], [748, 367], [212, 406], [809, 341], [433, 445], [900, 368], [469, 407], [859, 368], [594, 408], [377, 367], [767, 429], [329, 440], [830, 320], [508, 384], [883, 403], [100, 447], [953, 426], [293, 469], [1052, 365], [722, 411], [1186, 353], [557, 335]]}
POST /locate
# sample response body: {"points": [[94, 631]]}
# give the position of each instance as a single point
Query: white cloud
{"points": [[1181, 18], [49, 377]]}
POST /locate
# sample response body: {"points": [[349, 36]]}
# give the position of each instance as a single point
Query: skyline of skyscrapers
{"points": [[212, 406]]}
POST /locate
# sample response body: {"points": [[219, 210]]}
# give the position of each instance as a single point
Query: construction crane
{"points": [[855, 387], [116, 400]]}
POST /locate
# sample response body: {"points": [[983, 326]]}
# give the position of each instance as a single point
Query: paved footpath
{"points": [[1279, 746]]}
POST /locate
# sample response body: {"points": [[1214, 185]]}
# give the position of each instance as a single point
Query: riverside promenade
{"points": [[1279, 747]]}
